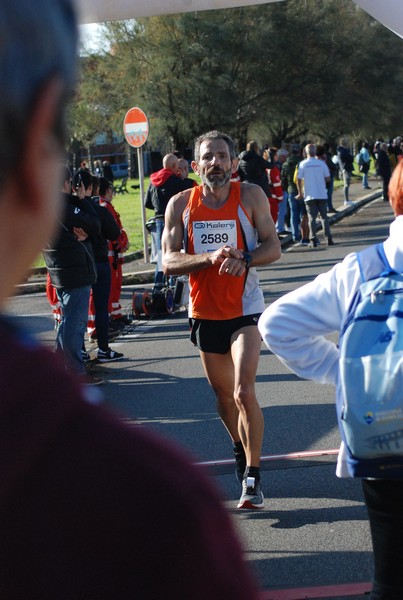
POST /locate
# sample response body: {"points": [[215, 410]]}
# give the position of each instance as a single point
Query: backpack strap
{"points": [[373, 263]]}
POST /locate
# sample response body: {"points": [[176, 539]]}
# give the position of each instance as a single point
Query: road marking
{"points": [[326, 591], [12, 315], [270, 457]]}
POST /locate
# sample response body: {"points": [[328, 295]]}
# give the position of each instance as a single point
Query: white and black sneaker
{"points": [[85, 356], [109, 355], [252, 495]]}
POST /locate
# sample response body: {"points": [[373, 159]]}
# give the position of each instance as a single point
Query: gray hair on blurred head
{"points": [[38, 41]]}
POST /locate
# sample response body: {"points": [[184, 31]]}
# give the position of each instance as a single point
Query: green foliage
{"points": [[291, 70]]}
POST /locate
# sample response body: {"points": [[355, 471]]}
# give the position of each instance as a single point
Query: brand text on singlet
{"points": [[209, 236]]}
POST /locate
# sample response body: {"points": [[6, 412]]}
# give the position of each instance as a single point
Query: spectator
{"points": [[392, 157], [82, 515], [107, 171], [183, 172], [333, 170], [397, 142], [275, 189], [252, 168], [315, 174], [117, 248], [98, 314], [298, 216], [383, 169], [71, 267], [98, 169], [164, 184], [346, 166], [283, 208], [364, 161]]}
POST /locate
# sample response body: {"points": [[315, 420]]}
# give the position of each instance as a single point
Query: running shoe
{"points": [[252, 495], [109, 355], [240, 465]]}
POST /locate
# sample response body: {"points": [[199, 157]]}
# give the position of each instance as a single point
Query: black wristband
{"points": [[247, 258]]}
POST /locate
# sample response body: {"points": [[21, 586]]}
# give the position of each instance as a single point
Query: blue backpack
{"points": [[370, 406]]}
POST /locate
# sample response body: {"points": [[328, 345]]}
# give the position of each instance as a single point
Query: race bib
{"points": [[209, 236]]}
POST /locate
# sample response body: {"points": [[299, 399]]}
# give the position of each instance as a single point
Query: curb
{"points": [[147, 276]]}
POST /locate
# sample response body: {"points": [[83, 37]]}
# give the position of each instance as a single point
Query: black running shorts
{"points": [[215, 336]]}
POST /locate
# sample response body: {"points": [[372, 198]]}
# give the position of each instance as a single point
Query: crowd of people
{"points": [[84, 263], [277, 171], [92, 508]]}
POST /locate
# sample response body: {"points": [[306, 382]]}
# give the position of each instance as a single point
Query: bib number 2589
{"points": [[208, 236]]}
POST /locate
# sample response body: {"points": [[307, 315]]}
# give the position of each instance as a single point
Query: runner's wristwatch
{"points": [[247, 258]]}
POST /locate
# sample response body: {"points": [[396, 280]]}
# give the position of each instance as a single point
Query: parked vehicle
{"points": [[120, 170]]}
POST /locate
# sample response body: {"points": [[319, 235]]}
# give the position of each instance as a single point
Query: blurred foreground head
{"points": [[396, 189], [38, 41], [38, 49]]}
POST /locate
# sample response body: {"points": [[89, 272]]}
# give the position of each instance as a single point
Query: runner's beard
{"points": [[216, 179]]}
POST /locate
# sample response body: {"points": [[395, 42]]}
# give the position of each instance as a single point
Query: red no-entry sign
{"points": [[135, 127]]}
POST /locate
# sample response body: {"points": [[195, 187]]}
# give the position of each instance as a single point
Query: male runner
{"points": [[220, 223]]}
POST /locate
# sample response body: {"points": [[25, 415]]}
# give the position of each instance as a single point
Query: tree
{"points": [[292, 70]]}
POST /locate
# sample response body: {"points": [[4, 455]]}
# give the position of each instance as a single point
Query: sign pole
{"points": [[143, 209], [135, 129]]}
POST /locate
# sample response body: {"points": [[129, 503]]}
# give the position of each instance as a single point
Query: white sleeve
{"points": [[294, 327]]}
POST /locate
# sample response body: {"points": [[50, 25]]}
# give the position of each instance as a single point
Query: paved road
{"points": [[313, 531]]}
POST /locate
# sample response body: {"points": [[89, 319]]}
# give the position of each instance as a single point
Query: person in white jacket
{"points": [[294, 328]]}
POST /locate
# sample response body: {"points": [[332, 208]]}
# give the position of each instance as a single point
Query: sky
{"points": [[89, 35]]}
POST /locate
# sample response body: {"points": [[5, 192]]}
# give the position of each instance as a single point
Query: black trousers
{"points": [[385, 186], [384, 501]]}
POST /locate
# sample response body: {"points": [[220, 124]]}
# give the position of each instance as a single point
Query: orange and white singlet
{"points": [[214, 296]]}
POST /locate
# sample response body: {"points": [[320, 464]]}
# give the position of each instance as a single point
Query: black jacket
{"points": [[346, 159], [164, 184], [109, 231], [71, 263], [383, 168], [252, 168]]}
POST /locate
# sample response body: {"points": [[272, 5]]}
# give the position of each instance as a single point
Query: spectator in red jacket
{"points": [[275, 187], [117, 249]]}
